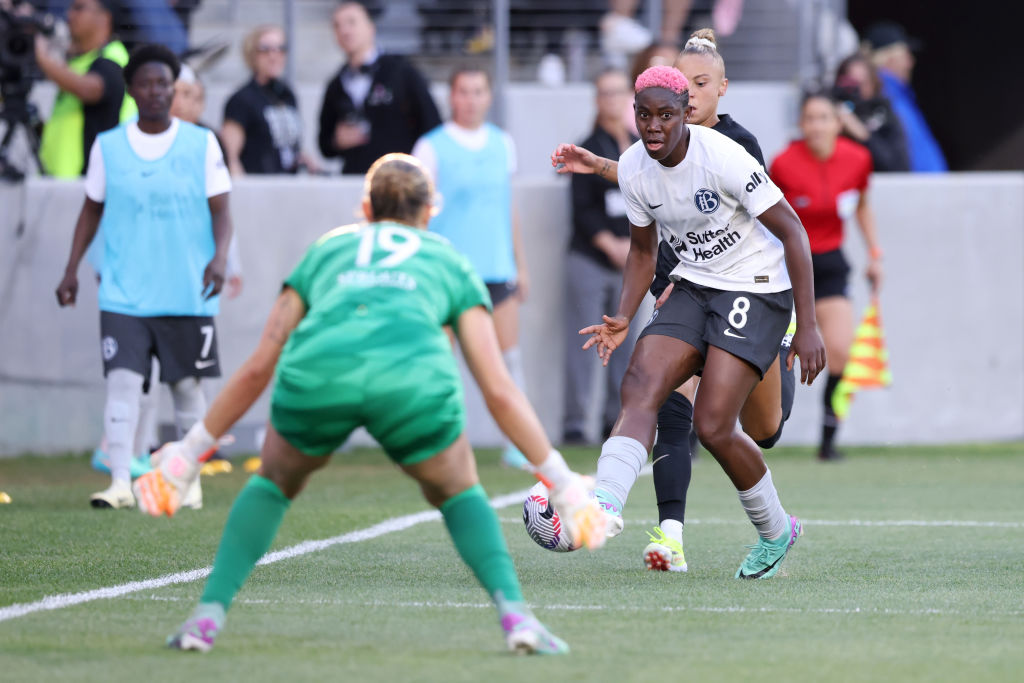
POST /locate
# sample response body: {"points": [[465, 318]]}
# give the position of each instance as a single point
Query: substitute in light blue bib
{"points": [[476, 215], [156, 231]]}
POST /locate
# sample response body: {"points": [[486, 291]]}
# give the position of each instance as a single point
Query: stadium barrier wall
{"points": [[952, 306]]}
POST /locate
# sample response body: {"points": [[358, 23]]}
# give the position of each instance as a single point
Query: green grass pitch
{"points": [[911, 569]]}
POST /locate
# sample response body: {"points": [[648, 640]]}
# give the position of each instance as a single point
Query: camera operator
{"points": [[92, 95], [867, 116]]}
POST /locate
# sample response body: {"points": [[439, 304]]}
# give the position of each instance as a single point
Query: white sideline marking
{"points": [[835, 522], [726, 609], [52, 602]]}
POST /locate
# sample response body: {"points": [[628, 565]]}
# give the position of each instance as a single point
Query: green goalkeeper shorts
{"points": [[411, 422]]}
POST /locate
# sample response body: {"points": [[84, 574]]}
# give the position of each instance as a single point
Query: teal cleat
{"points": [[613, 508], [140, 463], [766, 556], [514, 458]]}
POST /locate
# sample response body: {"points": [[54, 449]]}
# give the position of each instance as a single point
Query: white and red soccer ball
{"points": [[542, 522]]}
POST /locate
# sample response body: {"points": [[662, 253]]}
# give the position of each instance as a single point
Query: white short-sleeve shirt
{"points": [[151, 147], [705, 207]]}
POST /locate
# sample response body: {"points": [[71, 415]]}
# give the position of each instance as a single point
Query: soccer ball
{"points": [[542, 522]]}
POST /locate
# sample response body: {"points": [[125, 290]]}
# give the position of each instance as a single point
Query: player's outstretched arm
{"points": [[636, 279], [85, 230], [583, 518], [783, 222], [177, 463], [568, 158], [249, 381], [510, 408]]}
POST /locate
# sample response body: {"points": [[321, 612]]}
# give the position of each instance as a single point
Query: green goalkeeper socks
{"points": [[260, 507], [476, 532], [250, 529]]}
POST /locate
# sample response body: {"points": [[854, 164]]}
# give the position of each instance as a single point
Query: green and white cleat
{"points": [[664, 554], [524, 635], [200, 629], [787, 339], [766, 556]]}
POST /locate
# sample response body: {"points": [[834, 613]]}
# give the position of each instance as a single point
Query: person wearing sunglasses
{"points": [[262, 130]]}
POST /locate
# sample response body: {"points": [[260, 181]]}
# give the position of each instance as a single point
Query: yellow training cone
{"points": [[213, 467], [4, 498]]}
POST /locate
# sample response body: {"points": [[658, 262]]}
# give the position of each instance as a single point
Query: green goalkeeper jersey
{"points": [[377, 296]]}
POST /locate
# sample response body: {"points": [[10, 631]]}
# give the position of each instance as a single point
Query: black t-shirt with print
{"points": [[273, 129]]}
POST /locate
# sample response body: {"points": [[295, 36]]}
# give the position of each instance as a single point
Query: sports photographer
{"points": [[92, 95], [867, 116]]}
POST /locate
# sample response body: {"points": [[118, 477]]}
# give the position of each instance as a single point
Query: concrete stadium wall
{"points": [[953, 307]]}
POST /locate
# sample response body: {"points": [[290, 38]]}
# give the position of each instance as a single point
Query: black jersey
{"points": [[667, 259]]}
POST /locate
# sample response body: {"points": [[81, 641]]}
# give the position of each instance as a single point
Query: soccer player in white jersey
{"points": [[768, 406], [157, 191], [736, 283]]}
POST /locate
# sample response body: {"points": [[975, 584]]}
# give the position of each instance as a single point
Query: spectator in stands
{"points": [[157, 191], [892, 53], [867, 116], [472, 162], [622, 35], [824, 177], [92, 95], [596, 258], [376, 103], [262, 130]]}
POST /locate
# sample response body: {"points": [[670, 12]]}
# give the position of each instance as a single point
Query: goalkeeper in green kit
{"points": [[356, 338]]}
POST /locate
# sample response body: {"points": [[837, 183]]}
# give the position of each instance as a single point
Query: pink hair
{"points": [[666, 77]]}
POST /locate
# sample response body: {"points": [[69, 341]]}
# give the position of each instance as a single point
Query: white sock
{"points": [[762, 506], [189, 403], [673, 528], [120, 417], [148, 408], [514, 362], [619, 465]]}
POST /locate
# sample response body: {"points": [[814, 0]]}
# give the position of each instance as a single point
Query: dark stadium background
{"points": [[968, 77]]}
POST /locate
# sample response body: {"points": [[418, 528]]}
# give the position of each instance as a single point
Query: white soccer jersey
{"points": [[705, 208]]}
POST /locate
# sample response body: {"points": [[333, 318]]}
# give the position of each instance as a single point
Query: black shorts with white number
{"points": [[748, 325], [186, 346]]}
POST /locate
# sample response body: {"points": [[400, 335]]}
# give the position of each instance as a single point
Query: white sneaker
{"points": [[193, 499], [117, 496]]}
